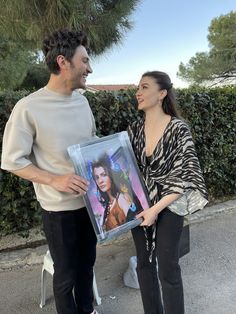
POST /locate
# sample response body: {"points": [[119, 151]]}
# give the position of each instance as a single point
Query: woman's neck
{"points": [[155, 117]]}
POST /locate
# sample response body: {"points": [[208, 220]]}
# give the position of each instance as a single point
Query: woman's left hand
{"points": [[149, 216]]}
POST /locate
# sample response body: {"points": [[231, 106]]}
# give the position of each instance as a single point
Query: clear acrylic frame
{"points": [[116, 192]]}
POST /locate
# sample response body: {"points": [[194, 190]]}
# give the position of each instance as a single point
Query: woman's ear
{"points": [[163, 93]]}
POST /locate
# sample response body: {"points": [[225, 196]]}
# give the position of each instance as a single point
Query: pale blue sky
{"points": [[164, 34]]}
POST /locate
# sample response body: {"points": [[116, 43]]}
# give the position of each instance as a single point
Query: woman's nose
{"points": [[137, 93]]}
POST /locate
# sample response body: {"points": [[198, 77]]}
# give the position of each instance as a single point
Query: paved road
{"points": [[209, 274]]}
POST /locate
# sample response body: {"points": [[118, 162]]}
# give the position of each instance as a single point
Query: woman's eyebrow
{"points": [[143, 84]]}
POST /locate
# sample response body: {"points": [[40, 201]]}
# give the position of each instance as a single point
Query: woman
{"points": [[115, 194], [167, 159]]}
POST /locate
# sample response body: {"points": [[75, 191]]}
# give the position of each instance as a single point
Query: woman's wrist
{"points": [[165, 202], [157, 209]]}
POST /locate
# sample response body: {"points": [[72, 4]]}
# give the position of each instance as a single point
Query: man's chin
{"points": [[80, 86]]}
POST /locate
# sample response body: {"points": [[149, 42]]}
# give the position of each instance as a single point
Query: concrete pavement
{"points": [[209, 271]]}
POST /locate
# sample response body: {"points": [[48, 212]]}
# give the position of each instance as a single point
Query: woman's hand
{"points": [[149, 216]]}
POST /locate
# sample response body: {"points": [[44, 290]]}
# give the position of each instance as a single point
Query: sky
{"points": [[164, 34]]}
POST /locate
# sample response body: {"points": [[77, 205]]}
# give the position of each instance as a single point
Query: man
{"points": [[37, 134]]}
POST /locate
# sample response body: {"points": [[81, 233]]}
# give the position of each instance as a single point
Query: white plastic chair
{"points": [[48, 268]]}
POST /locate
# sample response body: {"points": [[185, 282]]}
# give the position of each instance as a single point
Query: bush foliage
{"points": [[209, 112], [212, 116]]}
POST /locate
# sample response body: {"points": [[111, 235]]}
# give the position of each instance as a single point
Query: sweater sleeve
{"points": [[17, 140]]}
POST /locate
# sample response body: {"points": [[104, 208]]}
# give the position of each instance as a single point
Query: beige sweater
{"points": [[39, 130]]}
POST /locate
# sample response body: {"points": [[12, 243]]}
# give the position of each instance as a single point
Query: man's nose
{"points": [[89, 69]]}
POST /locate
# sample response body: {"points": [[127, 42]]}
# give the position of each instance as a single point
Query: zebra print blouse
{"points": [[172, 168]]}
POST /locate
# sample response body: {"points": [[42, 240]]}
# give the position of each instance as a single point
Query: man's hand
{"points": [[70, 183]]}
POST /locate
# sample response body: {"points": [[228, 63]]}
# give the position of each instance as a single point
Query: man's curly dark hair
{"points": [[62, 42]]}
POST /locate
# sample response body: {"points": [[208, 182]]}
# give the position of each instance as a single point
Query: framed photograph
{"points": [[116, 191]]}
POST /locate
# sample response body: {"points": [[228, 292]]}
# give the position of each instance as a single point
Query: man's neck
{"points": [[58, 85]]}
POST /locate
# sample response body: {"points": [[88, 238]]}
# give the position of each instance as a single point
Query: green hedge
{"points": [[19, 209], [210, 113], [113, 112]]}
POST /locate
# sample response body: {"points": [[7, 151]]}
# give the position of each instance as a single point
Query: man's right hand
{"points": [[70, 183]]}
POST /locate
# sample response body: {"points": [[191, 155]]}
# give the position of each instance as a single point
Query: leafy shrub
{"points": [[209, 112], [212, 116], [37, 76], [19, 208], [113, 113]]}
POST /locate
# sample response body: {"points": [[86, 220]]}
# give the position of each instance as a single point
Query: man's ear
{"points": [[62, 62]]}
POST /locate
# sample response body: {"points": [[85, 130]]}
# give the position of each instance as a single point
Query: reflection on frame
{"points": [[116, 192]]}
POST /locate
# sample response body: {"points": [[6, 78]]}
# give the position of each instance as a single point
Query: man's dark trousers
{"points": [[72, 244]]}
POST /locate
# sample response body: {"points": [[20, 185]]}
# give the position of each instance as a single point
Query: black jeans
{"points": [[72, 244], [169, 228]]}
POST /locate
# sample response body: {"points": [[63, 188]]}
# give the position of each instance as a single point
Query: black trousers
{"points": [[72, 244], [169, 228]]}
